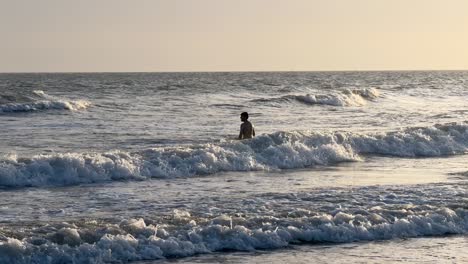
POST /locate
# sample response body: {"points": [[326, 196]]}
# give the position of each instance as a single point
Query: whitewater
{"points": [[146, 168]]}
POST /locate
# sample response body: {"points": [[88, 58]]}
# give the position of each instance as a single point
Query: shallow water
{"points": [[420, 250]]}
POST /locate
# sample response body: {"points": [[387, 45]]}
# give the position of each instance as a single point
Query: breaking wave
{"points": [[347, 97], [186, 235], [280, 150], [39, 101]]}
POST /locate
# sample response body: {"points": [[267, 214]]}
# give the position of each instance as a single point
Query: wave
{"points": [[40, 101], [185, 235], [460, 174], [44, 105], [347, 97], [280, 150]]}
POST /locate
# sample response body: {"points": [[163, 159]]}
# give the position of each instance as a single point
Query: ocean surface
{"points": [[346, 167]]}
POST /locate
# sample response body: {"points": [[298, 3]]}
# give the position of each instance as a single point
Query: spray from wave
{"points": [[280, 150], [38, 101]]}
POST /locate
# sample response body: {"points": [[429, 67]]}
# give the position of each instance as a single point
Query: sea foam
{"points": [[135, 239], [346, 97], [280, 150], [41, 101]]}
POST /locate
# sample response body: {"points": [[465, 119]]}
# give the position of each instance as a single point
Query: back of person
{"points": [[246, 130]]}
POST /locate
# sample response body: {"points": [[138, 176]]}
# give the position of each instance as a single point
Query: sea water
{"points": [[146, 168]]}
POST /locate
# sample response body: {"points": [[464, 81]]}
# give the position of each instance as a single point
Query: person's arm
{"points": [[240, 133], [253, 131]]}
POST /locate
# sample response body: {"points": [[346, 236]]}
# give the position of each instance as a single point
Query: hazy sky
{"points": [[232, 35]]}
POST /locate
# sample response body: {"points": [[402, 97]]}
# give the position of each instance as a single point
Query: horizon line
{"points": [[236, 71]]}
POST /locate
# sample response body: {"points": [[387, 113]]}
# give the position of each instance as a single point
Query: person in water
{"points": [[246, 129]]}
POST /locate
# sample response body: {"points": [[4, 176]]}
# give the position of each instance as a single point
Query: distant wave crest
{"points": [[356, 97], [347, 97], [280, 150], [41, 101]]}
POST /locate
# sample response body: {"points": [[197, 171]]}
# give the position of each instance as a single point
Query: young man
{"points": [[246, 129]]}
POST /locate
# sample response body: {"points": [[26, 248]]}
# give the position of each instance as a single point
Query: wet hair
{"points": [[245, 114]]}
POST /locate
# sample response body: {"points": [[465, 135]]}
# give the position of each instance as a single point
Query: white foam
{"points": [[348, 97], [44, 105], [40, 93], [134, 240], [44, 102], [263, 153], [280, 150]]}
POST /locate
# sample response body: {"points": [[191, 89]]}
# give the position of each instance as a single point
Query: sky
{"points": [[232, 35]]}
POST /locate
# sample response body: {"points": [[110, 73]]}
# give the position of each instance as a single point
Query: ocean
{"points": [[346, 167]]}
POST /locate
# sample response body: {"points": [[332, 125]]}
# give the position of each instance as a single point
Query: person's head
{"points": [[244, 116]]}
